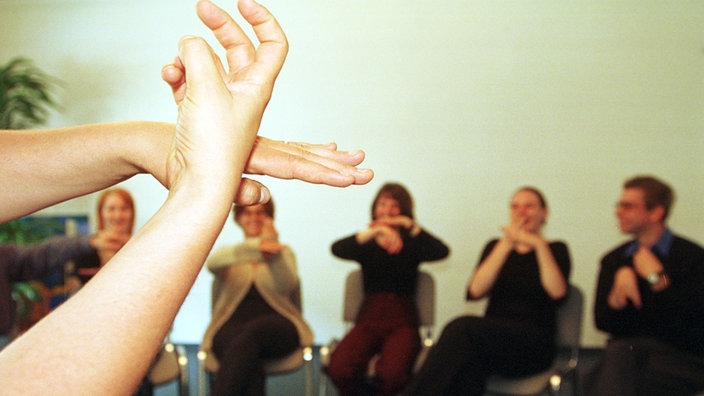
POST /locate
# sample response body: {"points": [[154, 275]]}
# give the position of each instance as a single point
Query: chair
{"points": [[288, 364], [551, 381], [353, 297]]}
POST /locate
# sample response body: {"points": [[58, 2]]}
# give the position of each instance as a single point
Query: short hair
{"points": [[538, 193], [268, 209], [400, 194], [655, 191], [122, 193]]}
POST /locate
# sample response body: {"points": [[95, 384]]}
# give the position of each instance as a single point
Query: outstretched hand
{"points": [[314, 163]]}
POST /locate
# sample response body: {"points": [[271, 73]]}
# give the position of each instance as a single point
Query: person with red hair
{"points": [[115, 213]]}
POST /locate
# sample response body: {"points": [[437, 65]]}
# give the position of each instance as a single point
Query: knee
{"points": [[340, 369], [458, 328]]}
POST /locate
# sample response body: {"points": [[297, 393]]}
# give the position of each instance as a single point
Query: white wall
{"points": [[463, 101]]}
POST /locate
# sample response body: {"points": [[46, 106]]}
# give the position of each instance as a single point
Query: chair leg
{"points": [[323, 356], [308, 367], [183, 370], [202, 375]]}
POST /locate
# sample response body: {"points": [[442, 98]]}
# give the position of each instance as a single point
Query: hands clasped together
{"points": [[517, 233], [387, 232]]}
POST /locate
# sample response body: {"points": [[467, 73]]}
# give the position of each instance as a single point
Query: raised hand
{"points": [[388, 238], [516, 233], [314, 163], [227, 107], [624, 289]]}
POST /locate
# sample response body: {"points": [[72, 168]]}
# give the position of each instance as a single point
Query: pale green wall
{"points": [[463, 101]]}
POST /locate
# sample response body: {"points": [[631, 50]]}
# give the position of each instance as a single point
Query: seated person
{"points": [[254, 319], [650, 298], [525, 277], [115, 213], [25, 263], [389, 252], [102, 340]]}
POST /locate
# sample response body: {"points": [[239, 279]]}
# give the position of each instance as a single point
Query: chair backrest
{"points": [[569, 319], [425, 297]]}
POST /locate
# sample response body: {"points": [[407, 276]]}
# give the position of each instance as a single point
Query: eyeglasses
{"points": [[629, 205]]}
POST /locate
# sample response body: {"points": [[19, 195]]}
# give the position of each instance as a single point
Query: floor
{"points": [[294, 384]]}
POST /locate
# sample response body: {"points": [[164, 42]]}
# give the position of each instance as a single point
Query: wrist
{"points": [[658, 281]]}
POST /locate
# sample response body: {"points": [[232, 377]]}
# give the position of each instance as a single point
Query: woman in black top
{"points": [[389, 252], [525, 277]]}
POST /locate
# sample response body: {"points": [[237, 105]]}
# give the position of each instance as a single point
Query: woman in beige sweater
{"points": [[255, 317]]}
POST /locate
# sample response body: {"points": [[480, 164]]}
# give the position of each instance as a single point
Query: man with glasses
{"points": [[650, 298]]}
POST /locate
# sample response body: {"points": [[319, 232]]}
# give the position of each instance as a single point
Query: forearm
{"points": [[432, 248], [488, 270], [123, 314], [551, 278], [83, 159], [367, 235], [51, 254]]}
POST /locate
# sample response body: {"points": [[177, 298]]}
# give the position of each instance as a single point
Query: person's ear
{"points": [[657, 214]]}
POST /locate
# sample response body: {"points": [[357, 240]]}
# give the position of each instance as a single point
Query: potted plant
{"points": [[25, 94]]}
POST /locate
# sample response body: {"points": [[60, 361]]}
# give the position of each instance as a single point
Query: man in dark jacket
{"points": [[650, 298]]}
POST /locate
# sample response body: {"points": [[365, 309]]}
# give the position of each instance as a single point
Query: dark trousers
{"points": [[472, 348], [242, 361], [254, 334], [643, 366], [387, 325]]}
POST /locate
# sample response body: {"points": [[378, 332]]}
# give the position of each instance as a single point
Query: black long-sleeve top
{"points": [[397, 273], [518, 294], [674, 315]]}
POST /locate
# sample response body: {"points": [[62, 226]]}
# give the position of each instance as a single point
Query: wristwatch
{"points": [[657, 280]]}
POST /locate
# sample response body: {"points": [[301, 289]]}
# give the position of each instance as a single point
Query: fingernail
{"points": [[264, 195]]}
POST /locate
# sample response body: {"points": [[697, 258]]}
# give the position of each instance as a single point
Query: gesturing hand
{"points": [[220, 112], [516, 233], [388, 238], [624, 289], [314, 163]]}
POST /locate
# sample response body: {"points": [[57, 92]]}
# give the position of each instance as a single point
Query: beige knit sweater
{"points": [[236, 268]]}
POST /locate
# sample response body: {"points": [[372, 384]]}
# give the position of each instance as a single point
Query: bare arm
{"points": [[46, 167], [551, 277], [488, 270], [102, 340]]}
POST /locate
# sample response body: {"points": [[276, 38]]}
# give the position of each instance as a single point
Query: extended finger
{"points": [[238, 48], [318, 171], [353, 158], [273, 46], [296, 163]]}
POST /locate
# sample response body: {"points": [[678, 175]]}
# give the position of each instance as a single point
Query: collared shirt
{"points": [[660, 249]]}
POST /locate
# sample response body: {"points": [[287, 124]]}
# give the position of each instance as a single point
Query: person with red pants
{"points": [[389, 252]]}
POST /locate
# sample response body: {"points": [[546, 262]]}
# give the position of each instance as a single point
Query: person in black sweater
{"points": [[650, 299], [525, 278], [389, 252]]}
